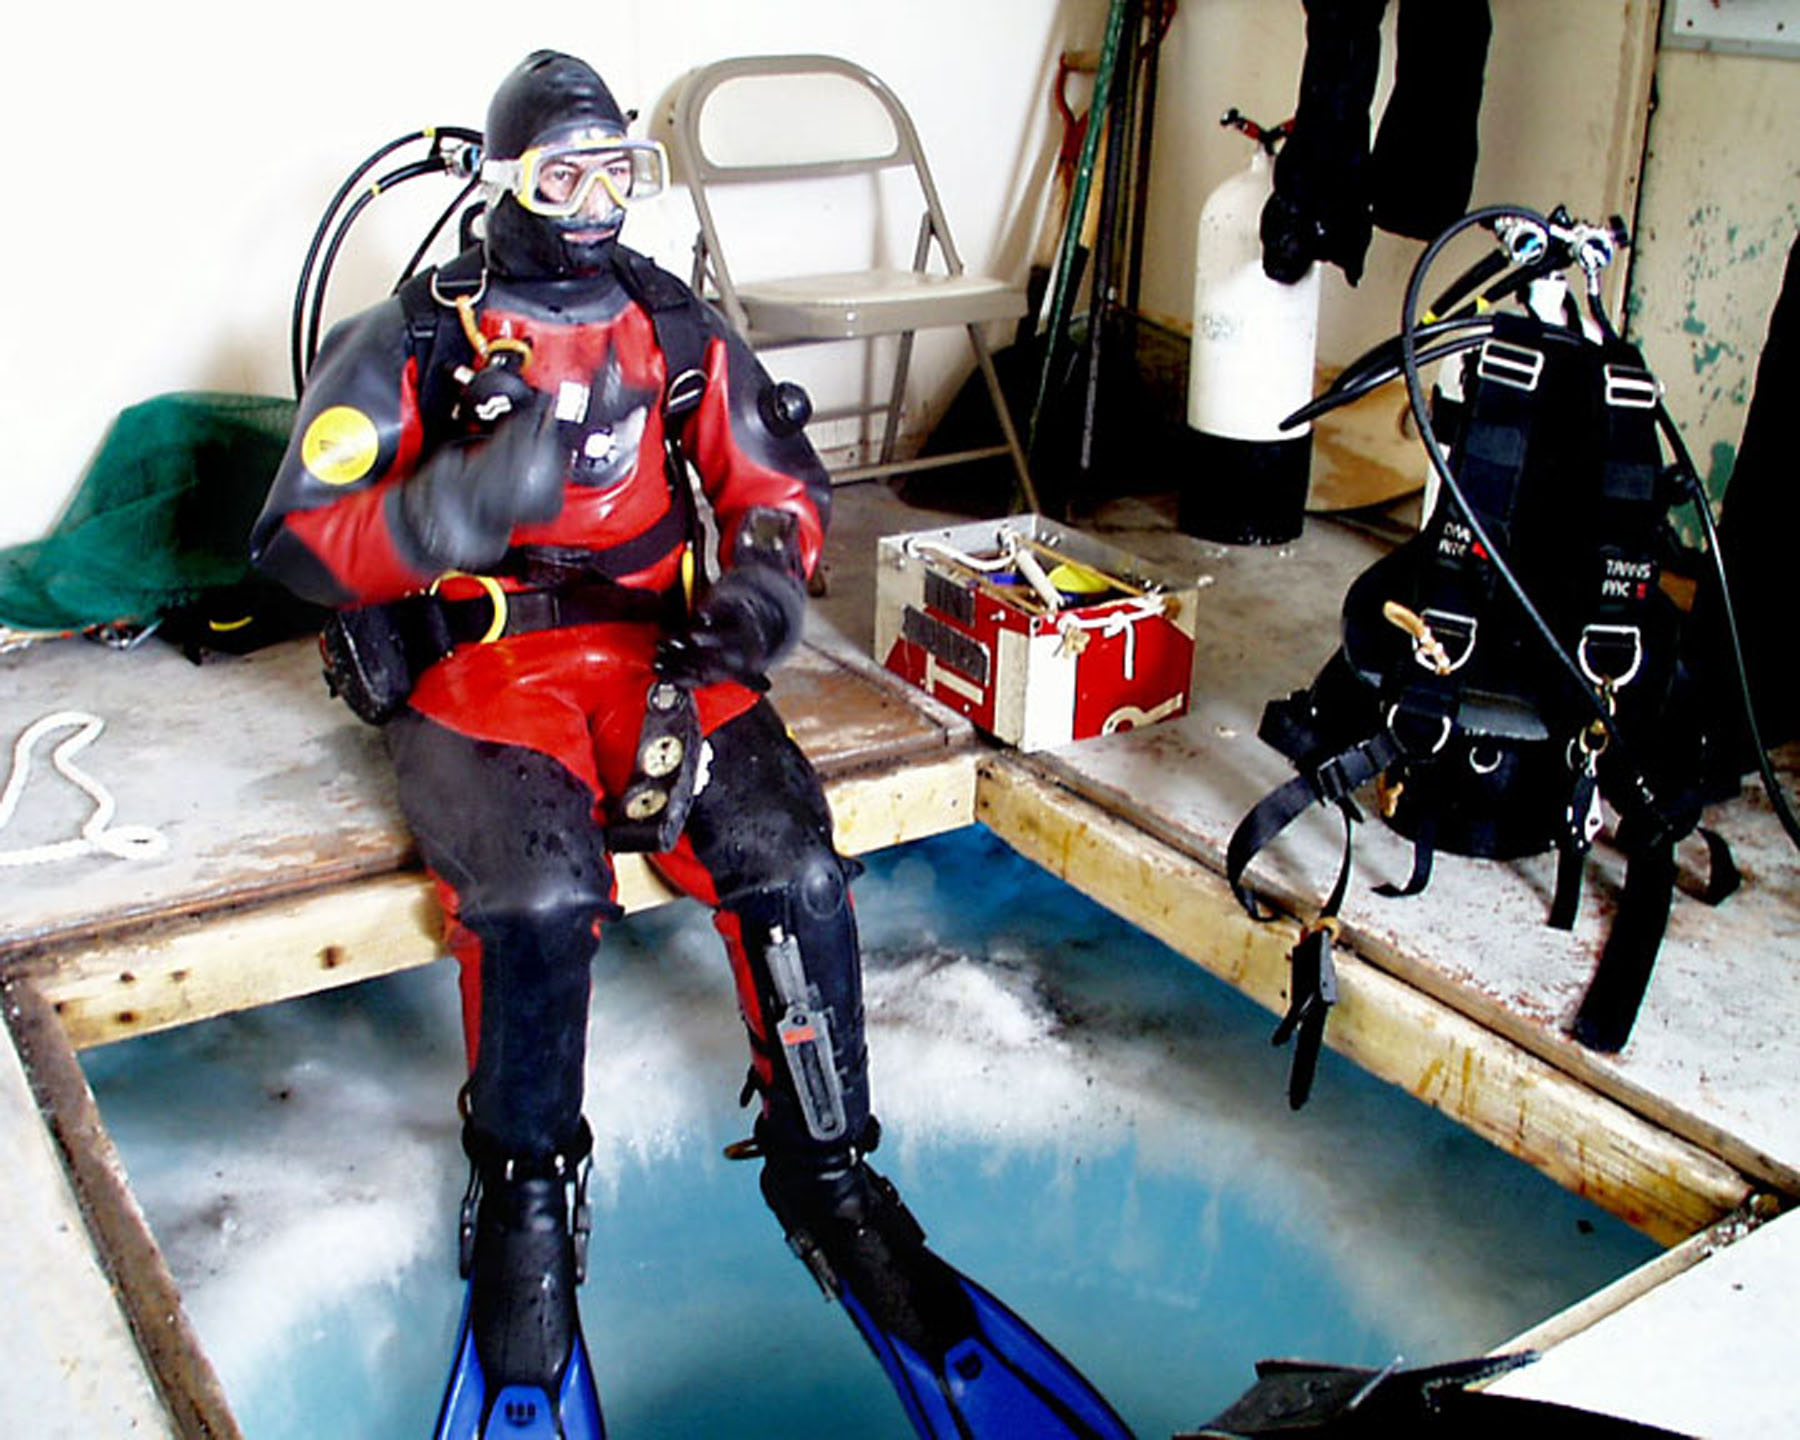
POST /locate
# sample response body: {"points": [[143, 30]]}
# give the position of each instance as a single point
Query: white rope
{"points": [[1013, 556], [924, 545], [126, 842], [1122, 620]]}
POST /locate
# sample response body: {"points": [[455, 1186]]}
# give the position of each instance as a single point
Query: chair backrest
{"points": [[786, 118]]}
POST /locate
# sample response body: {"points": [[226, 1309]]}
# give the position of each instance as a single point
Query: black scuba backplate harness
{"points": [[1517, 660]]}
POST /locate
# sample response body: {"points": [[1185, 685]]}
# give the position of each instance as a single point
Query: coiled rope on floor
{"points": [[98, 833]]}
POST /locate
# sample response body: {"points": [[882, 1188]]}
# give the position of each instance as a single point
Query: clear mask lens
{"points": [[562, 181]]}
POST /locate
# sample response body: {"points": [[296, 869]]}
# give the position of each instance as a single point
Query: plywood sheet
{"points": [[1706, 1353], [264, 786]]}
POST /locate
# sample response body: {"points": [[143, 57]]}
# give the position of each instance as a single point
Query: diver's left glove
{"points": [[740, 630], [750, 618]]}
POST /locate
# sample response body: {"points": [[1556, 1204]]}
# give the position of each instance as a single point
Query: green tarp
{"points": [[162, 518]]}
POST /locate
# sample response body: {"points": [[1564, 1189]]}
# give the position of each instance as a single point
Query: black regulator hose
{"points": [[1375, 369], [1471, 280], [437, 228], [1451, 311], [303, 330], [1696, 494], [328, 261], [297, 322]]}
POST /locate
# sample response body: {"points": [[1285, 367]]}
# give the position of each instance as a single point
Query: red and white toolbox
{"points": [[1038, 633]]}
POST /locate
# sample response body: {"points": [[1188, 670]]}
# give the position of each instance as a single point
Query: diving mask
{"points": [[558, 180]]}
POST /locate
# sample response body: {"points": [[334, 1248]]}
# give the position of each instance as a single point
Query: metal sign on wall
{"points": [[1739, 27]]}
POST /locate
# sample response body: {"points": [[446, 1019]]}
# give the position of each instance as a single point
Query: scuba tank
{"points": [[1250, 366]]}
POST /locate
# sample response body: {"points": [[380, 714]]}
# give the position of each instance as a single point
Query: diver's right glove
{"points": [[459, 510]]}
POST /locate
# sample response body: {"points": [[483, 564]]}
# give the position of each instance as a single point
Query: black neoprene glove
{"points": [[740, 629], [1320, 207], [459, 510]]}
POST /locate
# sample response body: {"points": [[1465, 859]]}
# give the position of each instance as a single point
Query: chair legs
{"points": [[1027, 491], [896, 393], [885, 463]]}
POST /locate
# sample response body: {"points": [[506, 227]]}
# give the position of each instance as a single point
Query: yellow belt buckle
{"points": [[496, 597]]}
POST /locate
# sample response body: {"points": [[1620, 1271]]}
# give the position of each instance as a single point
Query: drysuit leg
{"points": [[760, 831], [961, 1363], [510, 836]]}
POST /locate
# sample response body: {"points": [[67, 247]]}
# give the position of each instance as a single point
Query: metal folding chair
{"points": [[812, 120]]}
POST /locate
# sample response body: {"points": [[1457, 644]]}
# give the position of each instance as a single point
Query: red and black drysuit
{"points": [[510, 748]]}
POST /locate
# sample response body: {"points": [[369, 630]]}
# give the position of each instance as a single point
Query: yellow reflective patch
{"points": [[340, 445]]}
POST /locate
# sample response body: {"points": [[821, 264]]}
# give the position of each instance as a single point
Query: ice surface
{"points": [[1085, 1122]]}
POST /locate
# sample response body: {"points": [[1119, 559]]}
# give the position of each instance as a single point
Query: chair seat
{"points": [[873, 302]]}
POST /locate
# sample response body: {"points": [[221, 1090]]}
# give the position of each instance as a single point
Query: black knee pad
{"points": [[512, 831], [820, 888]]}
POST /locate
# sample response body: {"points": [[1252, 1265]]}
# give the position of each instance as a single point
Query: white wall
{"points": [[206, 139], [169, 163]]}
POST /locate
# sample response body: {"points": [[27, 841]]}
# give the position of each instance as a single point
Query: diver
{"points": [[488, 482]]}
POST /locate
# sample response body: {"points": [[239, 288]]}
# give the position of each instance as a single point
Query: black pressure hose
{"points": [[1696, 492], [1376, 367], [437, 228], [297, 321], [1452, 311], [304, 327], [328, 261]]}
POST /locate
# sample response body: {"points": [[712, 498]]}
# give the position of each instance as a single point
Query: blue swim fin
{"points": [[521, 1369], [997, 1378], [518, 1412], [964, 1366]]}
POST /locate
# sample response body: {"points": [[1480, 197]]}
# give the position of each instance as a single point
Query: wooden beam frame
{"points": [[1591, 1145], [179, 972], [185, 1382]]}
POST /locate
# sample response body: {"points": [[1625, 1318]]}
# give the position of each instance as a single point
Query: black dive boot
{"points": [[522, 1369], [962, 1363]]}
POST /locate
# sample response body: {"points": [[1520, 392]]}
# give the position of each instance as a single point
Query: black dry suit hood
{"points": [[548, 94]]}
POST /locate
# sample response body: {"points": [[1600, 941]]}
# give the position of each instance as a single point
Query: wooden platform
{"points": [[287, 871], [1712, 1055]]}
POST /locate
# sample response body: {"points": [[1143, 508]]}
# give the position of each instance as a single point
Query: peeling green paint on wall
{"points": [[1707, 355], [1718, 471], [1720, 463]]}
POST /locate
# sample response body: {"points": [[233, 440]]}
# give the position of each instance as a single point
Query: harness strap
{"points": [[1613, 997], [1331, 781], [1424, 848], [1570, 863], [1501, 411], [422, 301], [429, 626], [1312, 981], [548, 568], [680, 323]]}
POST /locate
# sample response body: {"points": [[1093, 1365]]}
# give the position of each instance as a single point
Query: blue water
{"points": [[1087, 1123]]}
